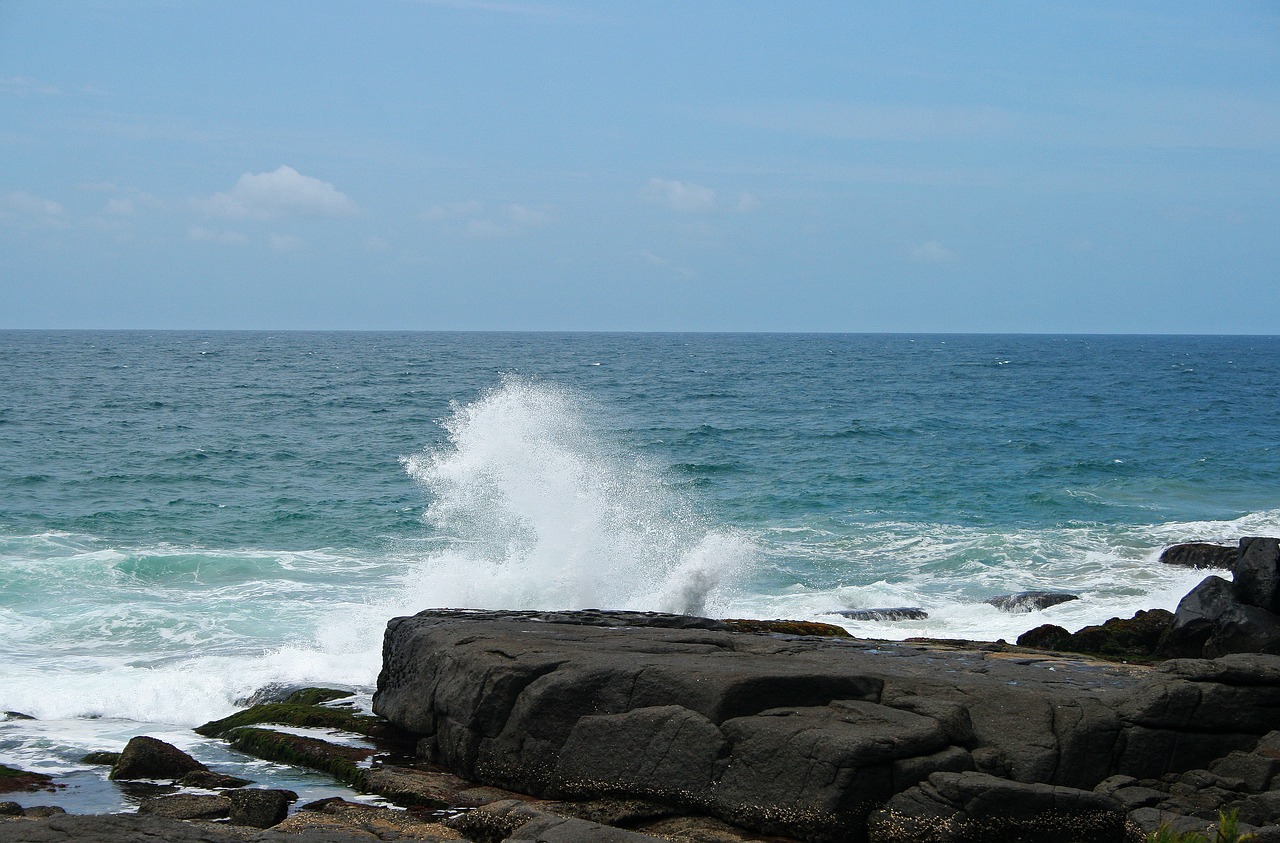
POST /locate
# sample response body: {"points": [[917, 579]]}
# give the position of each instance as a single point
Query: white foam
{"points": [[543, 511]]}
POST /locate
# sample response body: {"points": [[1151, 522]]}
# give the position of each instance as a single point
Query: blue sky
{"points": [[562, 165]]}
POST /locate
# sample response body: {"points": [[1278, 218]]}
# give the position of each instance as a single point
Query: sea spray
{"points": [[539, 509]]}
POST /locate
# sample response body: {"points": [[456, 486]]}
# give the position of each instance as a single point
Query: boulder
{"points": [[1257, 574], [14, 780], [1211, 621], [145, 757], [1200, 555], [1027, 601], [258, 808]]}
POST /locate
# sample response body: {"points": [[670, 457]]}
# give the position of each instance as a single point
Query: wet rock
{"points": [[187, 806], [1138, 637], [14, 780], [145, 757], [1027, 601], [1200, 555], [210, 780], [336, 814], [17, 715], [39, 811], [898, 614], [105, 759], [783, 627], [10, 809], [280, 692], [259, 808]]}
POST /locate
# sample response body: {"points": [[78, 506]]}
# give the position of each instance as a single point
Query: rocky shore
{"points": [[625, 726]]}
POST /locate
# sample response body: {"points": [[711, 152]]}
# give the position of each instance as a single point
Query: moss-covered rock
{"points": [[13, 780], [785, 627], [1136, 638], [316, 696], [105, 759], [304, 715]]}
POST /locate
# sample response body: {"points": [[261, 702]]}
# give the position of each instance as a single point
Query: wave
{"points": [[542, 510]]}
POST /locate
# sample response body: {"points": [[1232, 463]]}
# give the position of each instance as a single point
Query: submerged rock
{"points": [[1027, 601], [898, 614], [1200, 555]]}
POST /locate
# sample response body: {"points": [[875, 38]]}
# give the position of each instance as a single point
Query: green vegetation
{"points": [[1228, 831]]}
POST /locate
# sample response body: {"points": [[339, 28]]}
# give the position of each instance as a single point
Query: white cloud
{"points": [[747, 203], [201, 234], [282, 193], [679, 196], [30, 205], [120, 207], [931, 251], [286, 242], [25, 85]]}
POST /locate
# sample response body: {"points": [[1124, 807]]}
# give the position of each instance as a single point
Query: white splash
{"points": [[540, 510]]}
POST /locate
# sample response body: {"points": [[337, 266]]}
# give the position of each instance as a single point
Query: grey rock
{"points": [[145, 757], [1111, 784], [39, 811], [1138, 797], [1200, 555], [1254, 770], [1260, 808], [260, 808], [1257, 573], [1149, 820], [187, 806], [662, 751], [1027, 601], [210, 780]]}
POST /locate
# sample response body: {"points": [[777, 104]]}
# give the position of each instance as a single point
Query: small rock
{"points": [[1026, 601], [898, 614], [209, 780], [148, 758], [187, 806], [259, 808], [17, 715], [41, 811], [13, 780], [11, 809], [1255, 771], [105, 759]]}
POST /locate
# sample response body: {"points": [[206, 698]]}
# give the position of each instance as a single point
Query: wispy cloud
{"points": [[200, 234], [287, 243], [678, 195], [20, 207], [931, 251], [26, 86], [470, 218], [666, 265], [747, 203], [282, 193]]}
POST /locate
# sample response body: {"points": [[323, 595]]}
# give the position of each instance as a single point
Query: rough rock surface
{"points": [[145, 757], [903, 613], [793, 735]]}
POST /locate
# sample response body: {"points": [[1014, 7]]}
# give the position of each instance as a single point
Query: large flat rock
{"points": [[797, 735]]}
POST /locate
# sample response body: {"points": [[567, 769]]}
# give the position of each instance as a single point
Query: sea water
{"points": [[186, 517]]}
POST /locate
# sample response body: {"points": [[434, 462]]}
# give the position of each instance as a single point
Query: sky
{"points": [[1030, 167]]}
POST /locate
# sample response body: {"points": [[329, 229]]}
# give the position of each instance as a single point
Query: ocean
{"points": [[186, 517]]}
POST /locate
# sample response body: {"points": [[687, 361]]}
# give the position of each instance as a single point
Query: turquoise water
{"points": [[187, 516]]}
